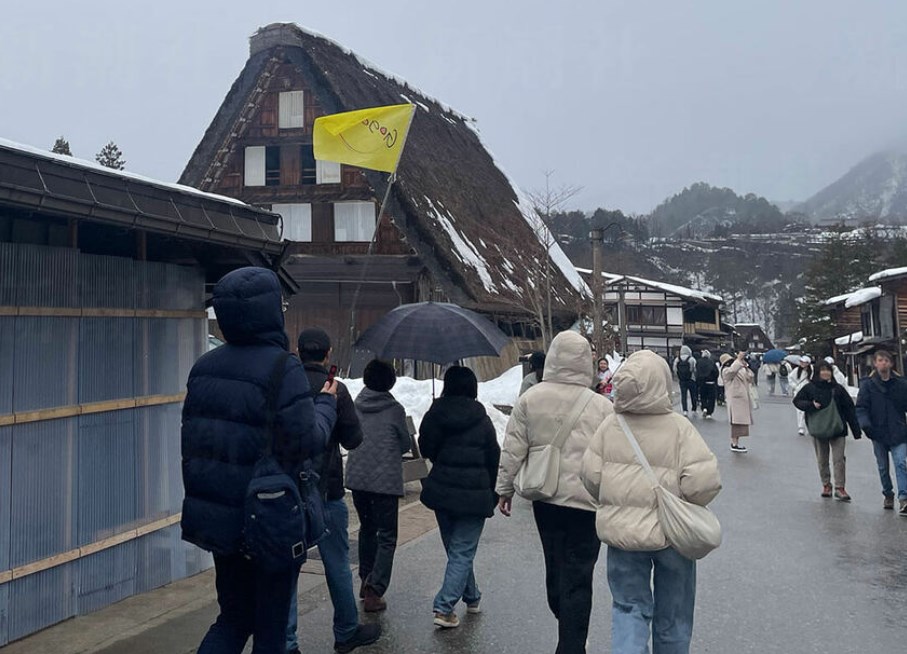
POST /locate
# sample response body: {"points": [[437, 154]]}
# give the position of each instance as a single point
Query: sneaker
{"points": [[473, 608], [826, 490], [366, 634], [841, 494], [686, 414], [902, 509], [447, 620], [888, 503], [740, 449]]}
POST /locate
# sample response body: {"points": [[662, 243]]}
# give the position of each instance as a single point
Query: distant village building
{"points": [[864, 322], [751, 338], [104, 276], [661, 317], [456, 228]]}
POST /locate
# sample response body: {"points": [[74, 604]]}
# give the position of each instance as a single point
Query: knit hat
{"points": [[830, 361], [379, 376], [805, 359], [724, 358]]}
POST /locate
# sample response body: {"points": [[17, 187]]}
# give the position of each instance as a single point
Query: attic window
{"points": [[255, 165], [272, 165], [354, 221], [290, 110], [297, 221], [327, 172]]}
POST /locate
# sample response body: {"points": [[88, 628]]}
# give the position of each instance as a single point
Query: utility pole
{"points": [[597, 238]]}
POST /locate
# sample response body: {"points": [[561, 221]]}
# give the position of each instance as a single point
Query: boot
{"points": [[373, 602]]}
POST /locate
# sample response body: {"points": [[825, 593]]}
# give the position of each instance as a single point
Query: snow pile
{"points": [[415, 396], [856, 337], [858, 297]]}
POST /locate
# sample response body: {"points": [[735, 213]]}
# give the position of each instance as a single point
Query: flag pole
{"points": [[371, 246]]}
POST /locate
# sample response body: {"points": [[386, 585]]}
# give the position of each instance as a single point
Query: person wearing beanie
{"points": [[707, 383], [374, 472], [685, 370], [536, 368], [800, 378], [738, 378]]}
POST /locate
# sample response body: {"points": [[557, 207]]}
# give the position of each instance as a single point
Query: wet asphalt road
{"points": [[796, 573]]}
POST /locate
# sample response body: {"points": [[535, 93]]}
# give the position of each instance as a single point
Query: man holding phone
{"points": [[314, 347]]}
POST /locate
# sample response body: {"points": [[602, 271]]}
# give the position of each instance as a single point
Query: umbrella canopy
{"points": [[436, 332], [793, 359], [774, 356]]}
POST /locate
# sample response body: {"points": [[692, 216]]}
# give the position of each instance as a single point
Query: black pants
{"points": [[707, 394], [252, 603], [377, 537], [571, 549], [688, 386]]}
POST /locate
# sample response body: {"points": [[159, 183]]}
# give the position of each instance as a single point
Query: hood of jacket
{"points": [[569, 360], [643, 385], [369, 401], [247, 303], [458, 413], [685, 352]]}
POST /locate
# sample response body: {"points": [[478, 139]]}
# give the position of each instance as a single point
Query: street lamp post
{"points": [[597, 238]]}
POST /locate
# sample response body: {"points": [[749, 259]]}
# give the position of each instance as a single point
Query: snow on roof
{"points": [[856, 337], [855, 298], [96, 167], [887, 274], [463, 247], [681, 291]]}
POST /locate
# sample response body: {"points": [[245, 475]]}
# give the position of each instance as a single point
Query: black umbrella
{"points": [[436, 332]]}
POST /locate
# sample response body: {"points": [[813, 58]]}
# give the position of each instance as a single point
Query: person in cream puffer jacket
{"points": [[566, 522], [627, 520]]}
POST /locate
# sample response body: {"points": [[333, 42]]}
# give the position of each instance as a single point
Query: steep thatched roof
{"points": [[459, 211]]}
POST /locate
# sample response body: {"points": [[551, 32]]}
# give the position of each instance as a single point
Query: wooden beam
{"points": [[56, 413]]}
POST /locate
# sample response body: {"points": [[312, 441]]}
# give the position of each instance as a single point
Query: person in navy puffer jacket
{"points": [[223, 435]]}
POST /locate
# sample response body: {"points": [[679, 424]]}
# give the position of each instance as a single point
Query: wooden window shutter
{"points": [[255, 165], [291, 110], [327, 172]]}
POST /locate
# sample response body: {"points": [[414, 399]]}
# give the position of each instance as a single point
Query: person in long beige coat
{"points": [[566, 522], [738, 378], [627, 519]]}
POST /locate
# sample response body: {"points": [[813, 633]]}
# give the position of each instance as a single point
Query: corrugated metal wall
{"points": [[69, 482]]}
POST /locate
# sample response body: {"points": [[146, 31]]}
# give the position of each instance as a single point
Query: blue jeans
{"points": [[253, 603], [335, 555], [460, 535], [899, 456], [633, 608]]}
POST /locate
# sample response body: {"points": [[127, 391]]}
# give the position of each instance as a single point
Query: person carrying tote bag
{"points": [[565, 519], [829, 410], [638, 507]]}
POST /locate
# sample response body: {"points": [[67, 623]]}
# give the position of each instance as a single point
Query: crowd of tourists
{"points": [[600, 453]]}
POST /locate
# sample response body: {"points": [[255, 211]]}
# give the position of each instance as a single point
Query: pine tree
{"points": [[61, 146], [111, 157]]}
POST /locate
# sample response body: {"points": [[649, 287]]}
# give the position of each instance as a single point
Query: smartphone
{"points": [[332, 372]]}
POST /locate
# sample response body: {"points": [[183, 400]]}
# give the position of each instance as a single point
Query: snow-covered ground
{"points": [[415, 395]]}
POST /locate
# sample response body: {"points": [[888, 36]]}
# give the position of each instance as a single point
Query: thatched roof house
{"points": [[455, 222]]}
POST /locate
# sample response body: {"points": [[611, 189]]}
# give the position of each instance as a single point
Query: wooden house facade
{"points": [[858, 329], [455, 228], [661, 317], [104, 278], [892, 311], [751, 338]]}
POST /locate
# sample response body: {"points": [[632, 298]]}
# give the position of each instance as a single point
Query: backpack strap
{"points": [[582, 401], [275, 383]]}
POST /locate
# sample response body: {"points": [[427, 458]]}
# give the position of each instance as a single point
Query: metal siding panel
{"points": [[6, 485], [157, 364], [107, 282], [166, 286], [9, 255], [107, 477], [106, 359], [45, 358], [107, 577], [43, 516], [47, 277], [42, 599], [7, 357], [4, 614], [158, 472], [154, 558]]}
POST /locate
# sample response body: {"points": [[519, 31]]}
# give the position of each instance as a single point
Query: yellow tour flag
{"points": [[369, 138]]}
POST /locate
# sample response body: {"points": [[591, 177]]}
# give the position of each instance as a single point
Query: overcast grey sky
{"points": [[630, 100]]}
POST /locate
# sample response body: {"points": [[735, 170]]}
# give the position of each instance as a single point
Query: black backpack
{"points": [[684, 370], [783, 370], [283, 517]]}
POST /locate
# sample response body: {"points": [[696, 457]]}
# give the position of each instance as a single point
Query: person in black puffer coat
{"points": [[814, 396], [224, 435], [457, 436]]}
